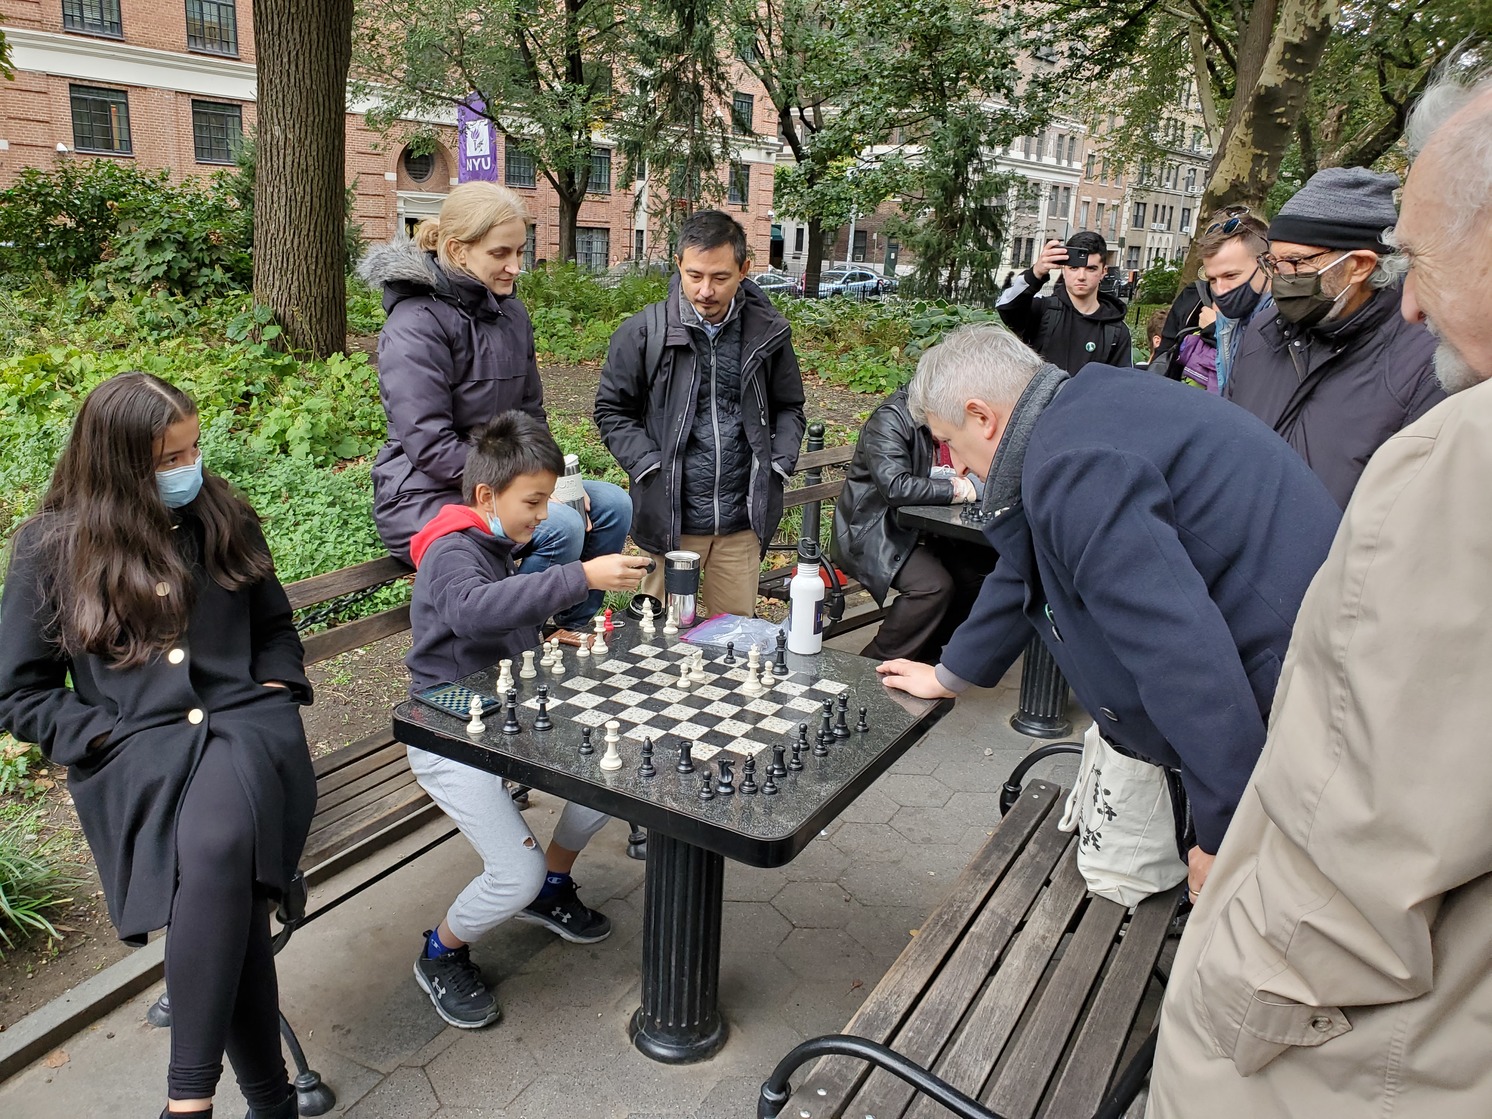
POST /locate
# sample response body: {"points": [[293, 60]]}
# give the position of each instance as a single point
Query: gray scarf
{"points": [[1002, 489]]}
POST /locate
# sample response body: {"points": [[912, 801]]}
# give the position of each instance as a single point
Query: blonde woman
{"points": [[456, 351]]}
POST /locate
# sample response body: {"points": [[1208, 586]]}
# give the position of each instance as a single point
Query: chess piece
{"points": [[510, 714], [585, 647], [726, 786], [841, 727], [598, 643], [779, 662], [647, 617], [697, 671], [685, 683], [612, 758], [730, 653], [671, 621], [476, 726], [769, 786], [862, 726], [686, 757], [706, 784], [542, 721], [585, 741], [646, 768], [768, 681], [820, 745], [752, 685], [504, 675], [557, 660], [778, 769], [826, 723], [797, 763], [527, 672], [748, 777]]}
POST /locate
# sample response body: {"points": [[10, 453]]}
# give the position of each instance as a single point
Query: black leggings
{"points": [[220, 970]]}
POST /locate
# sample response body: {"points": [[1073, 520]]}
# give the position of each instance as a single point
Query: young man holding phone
{"points": [[1077, 323]]}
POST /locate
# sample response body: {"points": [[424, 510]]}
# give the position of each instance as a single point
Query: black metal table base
{"points": [[679, 1020], [1043, 703]]}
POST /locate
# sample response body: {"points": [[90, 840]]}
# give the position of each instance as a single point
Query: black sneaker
{"points": [[455, 986], [564, 914]]}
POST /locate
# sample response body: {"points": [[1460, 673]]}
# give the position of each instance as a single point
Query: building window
{"points": [[1083, 214], [1026, 147], [593, 248], [1132, 260], [217, 131], [1138, 220], [518, 164], [1186, 219], [1041, 143], [740, 184], [418, 167], [637, 243], [1088, 171], [529, 246], [1054, 196], [683, 184], [212, 25], [94, 17], [798, 239], [1191, 180], [101, 120], [1114, 220], [600, 181], [742, 113], [1104, 174], [1072, 150], [857, 251], [1098, 217], [1066, 203]]}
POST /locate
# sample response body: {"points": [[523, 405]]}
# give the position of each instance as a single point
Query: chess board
{"points": [[639, 689]]}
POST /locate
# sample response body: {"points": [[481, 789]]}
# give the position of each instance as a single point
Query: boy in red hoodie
{"points": [[470, 609]]}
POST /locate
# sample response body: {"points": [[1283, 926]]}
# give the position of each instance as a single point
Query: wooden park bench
{"points": [[1018, 999]]}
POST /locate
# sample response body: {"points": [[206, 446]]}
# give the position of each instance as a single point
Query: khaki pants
{"points": [[729, 569]]}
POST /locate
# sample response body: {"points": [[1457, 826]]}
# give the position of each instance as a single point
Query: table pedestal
{"points": [[1043, 696], [679, 1020]]}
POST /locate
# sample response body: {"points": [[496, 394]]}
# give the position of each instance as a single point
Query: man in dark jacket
{"points": [[935, 579], [1077, 323], [701, 403], [1164, 589], [1335, 370]]}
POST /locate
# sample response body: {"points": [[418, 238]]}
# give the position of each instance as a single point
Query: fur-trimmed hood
{"points": [[405, 271]]}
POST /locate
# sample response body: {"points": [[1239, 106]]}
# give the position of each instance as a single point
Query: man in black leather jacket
{"points": [[936, 580]]}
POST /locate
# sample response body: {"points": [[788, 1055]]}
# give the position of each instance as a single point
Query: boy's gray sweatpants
{"points": [[512, 859]]}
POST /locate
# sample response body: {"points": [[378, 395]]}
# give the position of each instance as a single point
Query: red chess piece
{"points": [[609, 626]]}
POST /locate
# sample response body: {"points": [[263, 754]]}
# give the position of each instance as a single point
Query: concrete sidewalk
{"points": [[804, 945]]}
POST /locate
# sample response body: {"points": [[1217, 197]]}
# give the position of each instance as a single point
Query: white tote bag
{"points": [[1121, 809]]}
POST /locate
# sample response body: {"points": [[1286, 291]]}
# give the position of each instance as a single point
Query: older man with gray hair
{"points": [[1164, 589], [1340, 960]]}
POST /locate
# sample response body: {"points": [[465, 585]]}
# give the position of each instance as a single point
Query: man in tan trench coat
{"points": [[1339, 961]]}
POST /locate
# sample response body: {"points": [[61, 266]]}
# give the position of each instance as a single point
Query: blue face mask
{"points": [[180, 486], [496, 526]]}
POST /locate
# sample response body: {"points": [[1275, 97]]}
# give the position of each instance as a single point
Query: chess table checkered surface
{"points": [[639, 689]]}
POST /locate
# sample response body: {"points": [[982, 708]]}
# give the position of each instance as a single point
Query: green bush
{"points": [[575, 312], [1159, 283], [33, 881], [21, 768]]}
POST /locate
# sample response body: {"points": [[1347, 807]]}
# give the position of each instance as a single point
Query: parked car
{"points": [[774, 282], [858, 283]]}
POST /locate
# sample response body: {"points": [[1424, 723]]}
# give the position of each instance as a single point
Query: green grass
{"points": [[34, 882]]}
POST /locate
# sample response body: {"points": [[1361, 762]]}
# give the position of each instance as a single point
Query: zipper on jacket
{"points": [[676, 469], [715, 430]]}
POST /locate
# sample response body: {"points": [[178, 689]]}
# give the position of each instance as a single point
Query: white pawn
{"points": [[504, 675], [671, 621], [768, 680], [557, 660], [685, 683], [612, 759], [527, 672], [647, 617], [476, 726], [585, 647]]}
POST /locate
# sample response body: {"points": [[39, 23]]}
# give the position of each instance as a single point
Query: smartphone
{"points": [[1076, 257], [455, 699]]}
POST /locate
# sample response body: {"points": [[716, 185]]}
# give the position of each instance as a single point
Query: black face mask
{"points": [[1239, 303], [1300, 298]]}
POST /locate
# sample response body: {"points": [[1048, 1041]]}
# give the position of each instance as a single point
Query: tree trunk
{"points": [[815, 264], [1262, 119], [304, 48], [569, 215]]}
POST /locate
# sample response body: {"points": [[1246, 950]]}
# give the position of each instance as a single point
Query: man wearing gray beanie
{"points": [[1335, 370]]}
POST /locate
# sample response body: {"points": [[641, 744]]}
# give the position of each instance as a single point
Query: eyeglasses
{"points": [[1290, 265], [1233, 218]]}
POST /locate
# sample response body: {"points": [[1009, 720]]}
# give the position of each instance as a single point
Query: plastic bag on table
{"points": [[723, 629]]}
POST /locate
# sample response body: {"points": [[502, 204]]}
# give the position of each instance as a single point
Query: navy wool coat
{"points": [[1161, 546], [157, 718]]}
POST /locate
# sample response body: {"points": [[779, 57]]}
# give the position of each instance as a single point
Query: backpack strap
{"points": [[656, 322]]}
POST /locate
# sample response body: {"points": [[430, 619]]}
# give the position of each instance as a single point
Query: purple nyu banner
{"points": [[476, 154]]}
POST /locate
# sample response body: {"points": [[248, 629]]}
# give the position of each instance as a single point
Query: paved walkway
{"points": [[804, 945]]}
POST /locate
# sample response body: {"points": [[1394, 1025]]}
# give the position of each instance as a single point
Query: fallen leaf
{"points": [[56, 1058], [913, 932], [856, 985]]}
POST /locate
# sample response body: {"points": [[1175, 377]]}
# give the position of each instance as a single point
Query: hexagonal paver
{"points": [[575, 1092], [813, 905], [750, 883], [920, 759], [909, 789], [404, 1095], [507, 1069], [872, 807], [977, 772], [752, 928], [884, 930], [820, 861], [928, 825], [826, 958], [974, 809], [912, 882], [871, 843]]}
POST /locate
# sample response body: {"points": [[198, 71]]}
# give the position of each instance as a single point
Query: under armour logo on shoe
{"points": [[560, 915]]}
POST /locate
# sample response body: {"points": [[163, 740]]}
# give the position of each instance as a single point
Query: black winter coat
{"points": [[717, 457], [1337, 390], [1160, 544], [1061, 333], [450, 356], [158, 718], [890, 469], [645, 415]]}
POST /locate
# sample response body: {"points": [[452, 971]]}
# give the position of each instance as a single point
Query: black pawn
{"points": [[686, 758], [542, 721], [779, 662], [707, 785], [841, 725], [797, 762], [748, 776], [769, 786], [862, 726], [730, 652], [646, 768], [726, 786], [585, 741], [777, 768], [510, 713]]}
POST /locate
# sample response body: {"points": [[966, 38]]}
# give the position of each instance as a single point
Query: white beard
{"points": [[1452, 370]]}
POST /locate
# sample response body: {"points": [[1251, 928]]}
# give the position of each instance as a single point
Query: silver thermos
{"points": [[681, 586], [570, 487]]}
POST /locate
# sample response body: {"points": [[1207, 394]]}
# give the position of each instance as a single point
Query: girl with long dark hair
{"points": [[145, 583]]}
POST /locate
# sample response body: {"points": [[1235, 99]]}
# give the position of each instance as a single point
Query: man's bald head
{"points": [[1445, 225]]}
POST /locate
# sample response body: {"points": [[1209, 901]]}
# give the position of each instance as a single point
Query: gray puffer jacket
{"points": [[451, 356], [717, 458]]}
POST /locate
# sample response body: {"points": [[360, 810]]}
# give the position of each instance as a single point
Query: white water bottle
{"points": [[569, 487], [805, 592]]}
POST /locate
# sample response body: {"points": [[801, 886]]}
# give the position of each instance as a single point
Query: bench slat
{"points": [[821, 491], [354, 635], [898, 991], [944, 1003], [391, 772], [346, 580], [1023, 1079], [345, 775], [1100, 1044], [829, 456], [326, 817], [354, 828], [353, 751]]}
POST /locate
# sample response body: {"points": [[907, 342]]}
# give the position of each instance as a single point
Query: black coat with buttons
{"points": [[157, 718], [1161, 546]]}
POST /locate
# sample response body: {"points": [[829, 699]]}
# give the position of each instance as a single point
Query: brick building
{"points": [[171, 84]]}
